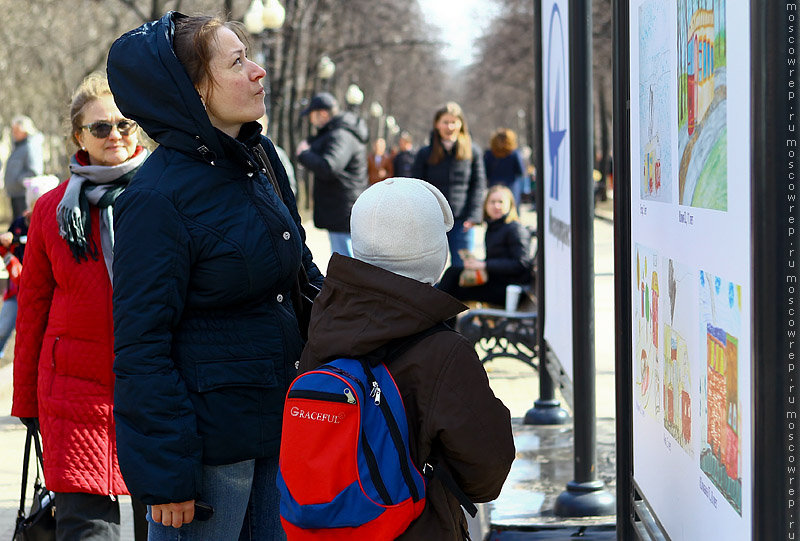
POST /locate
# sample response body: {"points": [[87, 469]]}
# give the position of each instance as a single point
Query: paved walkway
{"points": [[512, 381]]}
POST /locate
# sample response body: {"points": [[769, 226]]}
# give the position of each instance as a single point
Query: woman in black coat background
{"points": [[453, 163], [508, 258]]}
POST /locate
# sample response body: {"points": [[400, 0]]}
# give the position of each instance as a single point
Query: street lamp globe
{"points": [[273, 14], [254, 17], [375, 109], [326, 68], [391, 123], [354, 95]]}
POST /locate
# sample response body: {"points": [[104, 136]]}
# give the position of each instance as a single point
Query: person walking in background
{"points": [[25, 161], [403, 161], [208, 251], [337, 156], [385, 295], [452, 163], [63, 379], [508, 258], [12, 250], [379, 162], [504, 163]]}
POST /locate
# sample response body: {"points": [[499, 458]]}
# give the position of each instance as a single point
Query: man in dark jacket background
{"points": [[338, 158]]}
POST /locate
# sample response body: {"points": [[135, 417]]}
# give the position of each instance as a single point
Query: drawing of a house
{"points": [[700, 66]]}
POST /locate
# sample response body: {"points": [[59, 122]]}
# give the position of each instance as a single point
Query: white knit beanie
{"points": [[401, 225]]}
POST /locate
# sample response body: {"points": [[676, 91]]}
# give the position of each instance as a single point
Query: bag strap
{"points": [[39, 456], [302, 276], [261, 154], [31, 435], [25, 463], [432, 469]]}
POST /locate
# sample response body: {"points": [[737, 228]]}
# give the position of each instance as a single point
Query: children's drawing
{"points": [[679, 395], [720, 329], [647, 371], [702, 104], [655, 137]]}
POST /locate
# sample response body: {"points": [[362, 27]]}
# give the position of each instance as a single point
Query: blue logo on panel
{"points": [[555, 99]]}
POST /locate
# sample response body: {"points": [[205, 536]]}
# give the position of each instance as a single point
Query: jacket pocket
{"points": [[83, 359], [211, 375]]}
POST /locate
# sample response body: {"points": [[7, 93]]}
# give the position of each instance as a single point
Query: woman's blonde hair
{"points": [[503, 142], [93, 87], [512, 215], [464, 142]]}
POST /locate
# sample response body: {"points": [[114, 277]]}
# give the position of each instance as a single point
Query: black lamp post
{"points": [[264, 19]]}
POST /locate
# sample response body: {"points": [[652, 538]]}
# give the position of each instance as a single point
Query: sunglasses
{"points": [[102, 129]]}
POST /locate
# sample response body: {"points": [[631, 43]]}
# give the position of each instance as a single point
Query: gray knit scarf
{"points": [[98, 185]]}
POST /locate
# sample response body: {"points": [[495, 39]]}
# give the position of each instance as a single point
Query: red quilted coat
{"points": [[64, 356]]}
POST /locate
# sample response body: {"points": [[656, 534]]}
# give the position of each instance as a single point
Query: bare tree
{"points": [[501, 91], [382, 45]]}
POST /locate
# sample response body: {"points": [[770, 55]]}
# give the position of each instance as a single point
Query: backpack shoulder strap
{"points": [[398, 346], [433, 468]]}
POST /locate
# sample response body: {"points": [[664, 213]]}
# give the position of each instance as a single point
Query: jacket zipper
{"points": [[394, 430], [346, 397], [53, 362], [109, 457]]}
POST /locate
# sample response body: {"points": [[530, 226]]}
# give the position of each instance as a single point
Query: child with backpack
{"points": [[381, 307]]}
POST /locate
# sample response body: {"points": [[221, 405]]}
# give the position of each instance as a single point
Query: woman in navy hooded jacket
{"points": [[206, 254]]}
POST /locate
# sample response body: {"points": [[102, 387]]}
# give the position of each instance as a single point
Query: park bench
{"points": [[497, 333]]}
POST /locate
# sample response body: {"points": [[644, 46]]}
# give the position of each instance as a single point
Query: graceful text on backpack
{"points": [[345, 469]]}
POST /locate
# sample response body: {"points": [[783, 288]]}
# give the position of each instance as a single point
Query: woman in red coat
{"points": [[63, 359]]}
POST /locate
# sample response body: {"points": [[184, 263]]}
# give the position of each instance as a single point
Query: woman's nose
{"points": [[258, 72]]}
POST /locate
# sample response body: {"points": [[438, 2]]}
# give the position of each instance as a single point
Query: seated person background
{"points": [[508, 258]]}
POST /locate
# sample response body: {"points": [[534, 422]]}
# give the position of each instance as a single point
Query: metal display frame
{"points": [[771, 107]]}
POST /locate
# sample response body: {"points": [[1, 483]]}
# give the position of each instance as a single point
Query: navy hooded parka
{"points": [[206, 340]]}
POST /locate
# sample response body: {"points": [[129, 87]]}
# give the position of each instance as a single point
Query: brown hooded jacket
{"points": [[448, 401]]}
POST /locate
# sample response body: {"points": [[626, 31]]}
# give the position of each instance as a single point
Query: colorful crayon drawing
{"points": [[655, 137], [679, 396], [647, 371], [702, 104], [720, 327]]}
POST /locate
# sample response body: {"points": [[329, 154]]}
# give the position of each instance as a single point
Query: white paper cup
{"points": [[513, 293]]}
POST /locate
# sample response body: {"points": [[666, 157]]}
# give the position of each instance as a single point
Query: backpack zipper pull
{"points": [[350, 398], [376, 393]]}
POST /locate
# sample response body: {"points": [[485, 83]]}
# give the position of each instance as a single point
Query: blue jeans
{"points": [[246, 505], [516, 188], [8, 318], [341, 243], [458, 239]]}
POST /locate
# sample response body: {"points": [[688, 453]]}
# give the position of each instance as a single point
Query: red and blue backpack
{"points": [[345, 468]]}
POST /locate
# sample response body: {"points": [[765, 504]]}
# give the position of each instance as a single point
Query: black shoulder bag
{"points": [[303, 291], [40, 524]]}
